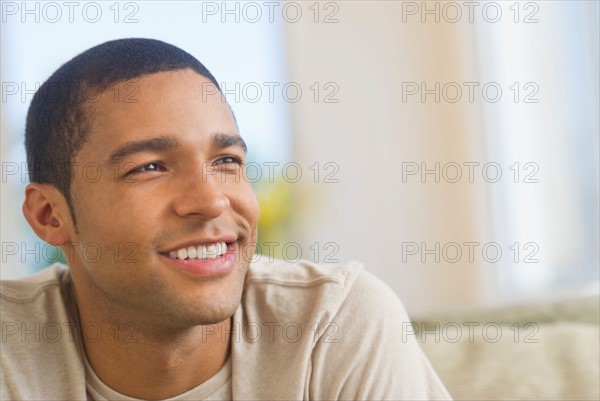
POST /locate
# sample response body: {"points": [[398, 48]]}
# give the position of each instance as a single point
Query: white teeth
{"points": [[200, 252], [191, 252]]}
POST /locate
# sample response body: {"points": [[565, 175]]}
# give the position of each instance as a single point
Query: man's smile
{"points": [[210, 251], [204, 260], [203, 248]]}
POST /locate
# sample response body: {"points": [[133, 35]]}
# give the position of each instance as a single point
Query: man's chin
{"points": [[211, 315]]}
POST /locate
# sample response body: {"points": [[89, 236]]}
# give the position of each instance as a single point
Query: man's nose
{"points": [[201, 194]]}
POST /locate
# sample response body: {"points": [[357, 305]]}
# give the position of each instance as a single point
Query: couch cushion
{"points": [[530, 352]]}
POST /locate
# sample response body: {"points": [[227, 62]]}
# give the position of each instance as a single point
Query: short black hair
{"points": [[58, 118]]}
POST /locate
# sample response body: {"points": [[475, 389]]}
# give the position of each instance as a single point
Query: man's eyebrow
{"points": [[221, 141], [160, 144]]}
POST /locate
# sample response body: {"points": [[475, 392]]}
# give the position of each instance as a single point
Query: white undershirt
{"points": [[217, 387]]}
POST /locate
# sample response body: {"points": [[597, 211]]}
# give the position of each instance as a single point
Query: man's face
{"points": [[171, 180]]}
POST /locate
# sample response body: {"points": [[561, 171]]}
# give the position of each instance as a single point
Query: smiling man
{"points": [[137, 174]]}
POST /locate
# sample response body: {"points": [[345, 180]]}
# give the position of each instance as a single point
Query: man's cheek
{"points": [[247, 200], [102, 252]]}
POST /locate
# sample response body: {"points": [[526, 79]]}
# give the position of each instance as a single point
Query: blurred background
{"points": [[450, 146], [453, 148]]}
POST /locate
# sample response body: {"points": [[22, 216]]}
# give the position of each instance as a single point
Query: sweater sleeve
{"points": [[367, 351]]}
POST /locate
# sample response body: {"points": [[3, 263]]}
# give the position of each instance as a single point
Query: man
{"points": [[137, 175]]}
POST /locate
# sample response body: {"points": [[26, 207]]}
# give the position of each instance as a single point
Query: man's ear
{"points": [[47, 212]]}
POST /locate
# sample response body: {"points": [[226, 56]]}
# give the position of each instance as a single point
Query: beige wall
{"points": [[371, 132]]}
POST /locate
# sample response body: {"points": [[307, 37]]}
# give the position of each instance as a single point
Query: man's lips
{"points": [[228, 239], [214, 266]]}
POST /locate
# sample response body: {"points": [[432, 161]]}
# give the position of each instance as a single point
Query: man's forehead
{"points": [[159, 105], [149, 94]]}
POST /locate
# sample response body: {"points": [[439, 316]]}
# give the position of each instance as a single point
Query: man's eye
{"points": [[154, 166], [229, 160], [228, 164]]}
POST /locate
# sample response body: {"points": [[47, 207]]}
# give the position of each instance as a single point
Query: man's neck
{"points": [[141, 360]]}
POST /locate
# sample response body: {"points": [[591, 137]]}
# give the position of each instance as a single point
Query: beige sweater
{"points": [[303, 331]]}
